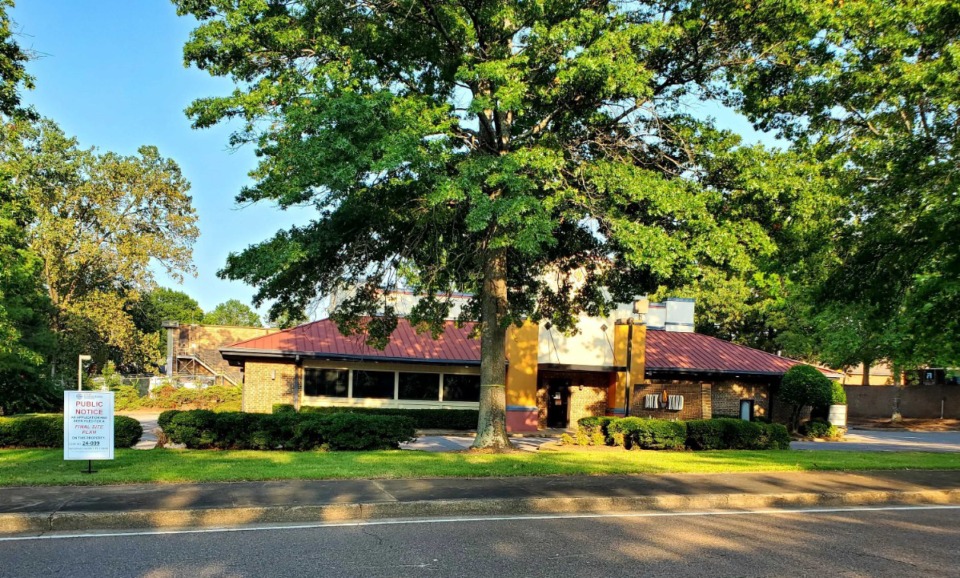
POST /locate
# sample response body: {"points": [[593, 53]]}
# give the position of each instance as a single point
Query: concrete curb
{"points": [[36, 523]]}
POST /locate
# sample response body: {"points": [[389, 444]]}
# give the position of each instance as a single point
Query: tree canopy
{"points": [[494, 147], [98, 221], [233, 312]]}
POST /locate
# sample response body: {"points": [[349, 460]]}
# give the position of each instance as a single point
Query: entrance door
{"points": [[558, 402], [746, 409]]}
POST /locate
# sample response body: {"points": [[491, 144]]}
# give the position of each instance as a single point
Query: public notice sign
{"points": [[88, 425]]}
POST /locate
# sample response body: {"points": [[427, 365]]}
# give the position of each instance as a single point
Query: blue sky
{"points": [[111, 73]]}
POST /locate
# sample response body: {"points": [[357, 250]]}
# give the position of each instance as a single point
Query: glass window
{"points": [[461, 387], [374, 384], [328, 382], [425, 386]]}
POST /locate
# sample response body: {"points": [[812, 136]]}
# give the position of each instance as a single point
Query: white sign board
{"points": [[88, 425]]}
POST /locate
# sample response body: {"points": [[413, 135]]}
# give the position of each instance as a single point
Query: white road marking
{"points": [[463, 519]]}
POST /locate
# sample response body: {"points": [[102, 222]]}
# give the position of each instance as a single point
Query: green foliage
{"points": [[162, 304], [46, 431], [233, 312], [126, 431], [165, 416], [821, 429], [649, 434], [838, 396], [284, 408], [735, 434], [804, 385], [126, 398], [596, 428], [200, 429], [453, 419], [98, 222], [481, 149]]}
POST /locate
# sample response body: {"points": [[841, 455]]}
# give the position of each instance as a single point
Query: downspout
{"points": [[626, 403]]}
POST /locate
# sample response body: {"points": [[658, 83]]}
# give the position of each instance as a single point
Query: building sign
{"points": [[88, 425]]}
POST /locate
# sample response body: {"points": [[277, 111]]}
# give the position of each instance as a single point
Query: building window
{"points": [[373, 384], [419, 386], [326, 382], [461, 387]]}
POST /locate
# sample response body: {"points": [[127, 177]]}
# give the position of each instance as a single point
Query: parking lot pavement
{"points": [[889, 441]]}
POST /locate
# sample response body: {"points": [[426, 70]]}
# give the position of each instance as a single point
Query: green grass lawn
{"points": [[47, 467]]}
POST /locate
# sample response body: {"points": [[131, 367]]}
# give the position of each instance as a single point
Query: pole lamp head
{"points": [[85, 358]]}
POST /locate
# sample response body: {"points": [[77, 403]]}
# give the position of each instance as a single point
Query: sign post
{"points": [[88, 426]]}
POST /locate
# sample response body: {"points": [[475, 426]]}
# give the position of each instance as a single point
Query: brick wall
{"points": [[587, 402], [266, 383], [588, 394], [726, 397], [692, 392], [204, 342]]}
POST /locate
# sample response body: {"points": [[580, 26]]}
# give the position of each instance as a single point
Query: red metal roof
{"points": [[666, 350], [676, 351], [322, 339]]}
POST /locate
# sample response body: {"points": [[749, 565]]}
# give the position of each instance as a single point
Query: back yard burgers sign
{"points": [[88, 425]]}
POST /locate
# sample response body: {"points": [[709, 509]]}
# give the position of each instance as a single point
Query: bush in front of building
{"points": [[46, 431], [804, 385], [648, 434], [458, 419], [201, 429], [821, 429], [596, 429], [735, 434], [701, 434]]}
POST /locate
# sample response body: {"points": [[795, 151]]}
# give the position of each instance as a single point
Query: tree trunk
{"points": [[492, 425], [866, 373]]}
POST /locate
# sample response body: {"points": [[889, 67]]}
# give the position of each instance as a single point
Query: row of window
{"points": [[391, 385]]}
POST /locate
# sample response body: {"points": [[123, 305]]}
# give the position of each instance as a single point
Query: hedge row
{"points": [[704, 434], [203, 429], [217, 397], [46, 431], [462, 419]]}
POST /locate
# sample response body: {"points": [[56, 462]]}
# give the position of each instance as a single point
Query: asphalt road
{"points": [[914, 542], [889, 441]]}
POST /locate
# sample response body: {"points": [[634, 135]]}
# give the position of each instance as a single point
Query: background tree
{"points": [[97, 222], [25, 340], [492, 146], [233, 312], [870, 85], [162, 304]]}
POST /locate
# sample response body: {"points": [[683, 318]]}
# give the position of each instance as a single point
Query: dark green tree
{"points": [[496, 147], [233, 312], [162, 304], [871, 86]]}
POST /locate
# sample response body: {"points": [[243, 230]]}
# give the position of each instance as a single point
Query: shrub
{"points": [[649, 434], [838, 396], [202, 429], [126, 397], [284, 408], [804, 385], [46, 431], [460, 419], [735, 434], [817, 428], [165, 416], [126, 431], [32, 431], [596, 428]]}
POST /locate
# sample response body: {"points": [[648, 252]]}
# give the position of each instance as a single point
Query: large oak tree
{"points": [[488, 146]]}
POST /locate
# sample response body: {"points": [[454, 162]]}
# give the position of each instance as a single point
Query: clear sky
{"points": [[111, 73]]}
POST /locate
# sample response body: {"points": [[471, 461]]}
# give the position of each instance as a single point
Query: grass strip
{"points": [[47, 467]]}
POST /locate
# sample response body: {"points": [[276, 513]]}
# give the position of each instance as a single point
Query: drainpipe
{"points": [[626, 409]]}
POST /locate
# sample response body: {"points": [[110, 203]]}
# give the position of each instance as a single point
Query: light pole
{"points": [[80, 361]]}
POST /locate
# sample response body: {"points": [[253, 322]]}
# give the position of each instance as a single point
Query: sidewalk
{"points": [[33, 510]]}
